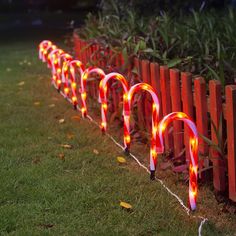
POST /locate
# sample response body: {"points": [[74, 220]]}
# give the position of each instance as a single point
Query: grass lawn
{"points": [[46, 189]]}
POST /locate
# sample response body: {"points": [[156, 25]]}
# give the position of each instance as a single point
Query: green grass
{"points": [[40, 194]]}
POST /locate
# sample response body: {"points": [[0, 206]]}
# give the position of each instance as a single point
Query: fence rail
{"points": [[178, 91]]}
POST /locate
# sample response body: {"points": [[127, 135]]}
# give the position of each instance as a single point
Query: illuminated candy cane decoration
{"points": [[43, 49], [54, 56], [65, 77], [72, 66], [193, 147], [103, 100], [62, 59], [83, 82], [155, 113], [47, 57]]}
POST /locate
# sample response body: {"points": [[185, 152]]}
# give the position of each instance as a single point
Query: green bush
{"points": [[203, 43]]}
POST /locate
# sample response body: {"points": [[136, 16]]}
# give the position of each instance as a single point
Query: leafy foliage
{"points": [[200, 42]]}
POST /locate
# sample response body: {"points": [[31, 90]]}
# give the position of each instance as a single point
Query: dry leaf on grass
{"points": [[46, 225], [8, 69], [61, 156], [95, 151], [36, 103], [125, 205], [67, 146], [36, 160], [51, 105], [21, 83], [70, 136], [75, 117], [121, 160], [61, 121]]}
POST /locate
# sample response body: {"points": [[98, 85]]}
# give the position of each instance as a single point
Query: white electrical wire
{"points": [[187, 210]]}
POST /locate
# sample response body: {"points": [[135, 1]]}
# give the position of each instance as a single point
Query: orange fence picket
{"points": [[219, 177], [166, 102], [175, 92], [187, 101], [230, 92]]}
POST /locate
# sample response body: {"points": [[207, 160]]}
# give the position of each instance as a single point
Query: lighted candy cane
{"points": [[103, 100], [193, 147], [155, 113], [62, 59], [83, 82], [54, 61], [72, 65], [42, 46], [48, 50]]}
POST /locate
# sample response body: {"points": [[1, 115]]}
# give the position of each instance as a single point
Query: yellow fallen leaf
{"points": [[95, 151], [67, 146], [75, 117], [36, 160], [21, 83], [8, 69], [61, 121], [70, 136], [121, 160], [29, 63], [36, 103], [125, 205], [61, 156], [51, 105]]}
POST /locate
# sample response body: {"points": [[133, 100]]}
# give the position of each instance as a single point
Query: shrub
{"points": [[201, 42]]}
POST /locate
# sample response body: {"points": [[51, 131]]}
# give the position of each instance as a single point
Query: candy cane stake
{"points": [[155, 113], [193, 147], [103, 101], [47, 52], [54, 61], [83, 82], [72, 66], [63, 58], [42, 46]]}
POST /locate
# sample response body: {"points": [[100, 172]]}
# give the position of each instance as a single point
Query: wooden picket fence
{"points": [[178, 91]]}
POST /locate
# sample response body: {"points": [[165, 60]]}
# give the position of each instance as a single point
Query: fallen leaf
{"points": [[51, 105], [75, 117], [21, 83], [125, 205], [46, 225], [95, 151], [61, 121], [36, 160], [36, 103], [61, 156], [29, 63], [20, 63], [70, 136], [8, 69], [49, 138], [121, 160], [67, 146]]}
